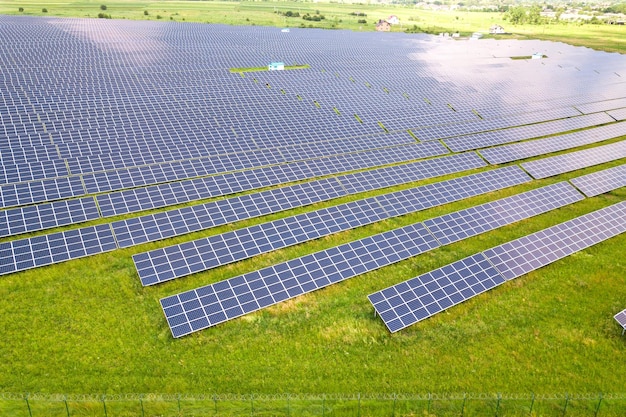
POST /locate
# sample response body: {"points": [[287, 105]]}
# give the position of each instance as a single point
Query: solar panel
{"points": [[167, 224], [19, 255], [619, 114], [411, 301], [462, 224], [208, 306], [531, 252], [528, 149], [45, 216], [199, 255], [39, 191], [621, 319], [421, 297], [514, 134], [601, 182], [602, 105], [546, 167]]}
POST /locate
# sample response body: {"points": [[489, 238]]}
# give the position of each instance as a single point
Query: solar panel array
{"points": [[621, 319], [517, 151], [187, 312], [547, 167], [601, 182], [102, 118], [515, 134], [421, 297], [179, 260]]}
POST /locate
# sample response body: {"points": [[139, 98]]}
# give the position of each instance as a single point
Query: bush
{"points": [[145, 13], [159, 16], [103, 7], [104, 16], [362, 21], [44, 10], [21, 9]]}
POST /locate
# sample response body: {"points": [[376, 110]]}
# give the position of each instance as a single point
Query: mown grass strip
{"points": [[261, 69]]}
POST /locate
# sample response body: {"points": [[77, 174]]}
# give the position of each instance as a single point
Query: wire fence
{"points": [[287, 405]]}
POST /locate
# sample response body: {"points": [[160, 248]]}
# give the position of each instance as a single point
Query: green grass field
{"points": [[611, 38], [88, 326]]}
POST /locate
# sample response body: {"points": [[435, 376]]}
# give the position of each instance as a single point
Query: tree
{"points": [[516, 15], [103, 7]]}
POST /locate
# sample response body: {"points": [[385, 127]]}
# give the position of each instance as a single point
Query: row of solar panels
{"points": [[207, 306], [37, 217], [40, 190], [27, 253]]}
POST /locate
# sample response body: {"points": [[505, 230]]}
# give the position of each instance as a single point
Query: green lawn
{"points": [[88, 326]]}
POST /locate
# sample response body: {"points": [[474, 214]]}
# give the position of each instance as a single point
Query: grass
{"points": [[261, 69], [87, 326]]}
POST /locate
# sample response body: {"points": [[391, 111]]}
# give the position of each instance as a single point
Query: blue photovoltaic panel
{"points": [[421, 297], [171, 223], [531, 252], [199, 255], [19, 255], [528, 149], [45, 216], [546, 167], [175, 222], [479, 219], [619, 114], [515, 134], [410, 301], [207, 306], [621, 319], [601, 182], [40, 191], [602, 105]]}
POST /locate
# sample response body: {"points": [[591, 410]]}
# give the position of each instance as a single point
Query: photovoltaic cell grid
{"points": [[601, 182], [421, 297], [537, 147], [621, 319], [619, 114], [207, 306], [19, 255], [47, 215], [514, 134], [176, 222], [173, 262], [162, 195], [547, 197], [555, 165], [462, 224], [408, 302], [531, 252]]}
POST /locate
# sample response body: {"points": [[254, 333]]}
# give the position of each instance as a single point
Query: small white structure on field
{"points": [[496, 29], [285, 30], [276, 66], [393, 19], [537, 55]]}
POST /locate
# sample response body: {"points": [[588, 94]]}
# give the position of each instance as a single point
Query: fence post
{"points": [[358, 412], [393, 413], [215, 402], [463, 406], [67, 408], [143, 414], [532, 403], [565, 406], [429, 400], [598, 406], [178, 402], [30, 413], [498, 405], [104, 404]]}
